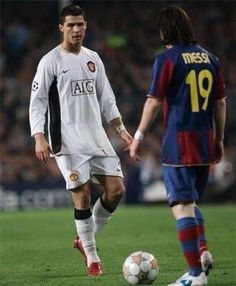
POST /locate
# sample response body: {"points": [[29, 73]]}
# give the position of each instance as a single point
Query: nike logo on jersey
{"points": [[64, 71]]}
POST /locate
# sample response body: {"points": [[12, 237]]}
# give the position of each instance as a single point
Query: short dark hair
{"points": [[71, 10], [175, 26]]}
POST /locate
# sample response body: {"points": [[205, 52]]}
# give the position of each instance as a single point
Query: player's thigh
{"points": [[75, 169], [112, 185], [107, 170], [180, 184]]}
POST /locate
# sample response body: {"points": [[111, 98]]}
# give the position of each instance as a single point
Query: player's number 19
{"points": [[196, 83]]}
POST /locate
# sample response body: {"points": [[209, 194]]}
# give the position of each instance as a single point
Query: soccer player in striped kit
{"points": [[72, 85], [188, 84]]}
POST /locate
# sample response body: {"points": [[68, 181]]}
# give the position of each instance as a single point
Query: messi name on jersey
{"points": [[195, 58], [82, 87]]}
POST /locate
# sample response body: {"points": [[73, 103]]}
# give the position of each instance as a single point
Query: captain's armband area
{"points": [[118, 124], [120, 128]]}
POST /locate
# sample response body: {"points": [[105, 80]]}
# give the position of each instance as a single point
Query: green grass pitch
{"points": [[36, 246]]}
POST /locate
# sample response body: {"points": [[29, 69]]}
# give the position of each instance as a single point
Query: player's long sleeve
{"points": [[106, 96], [39, 98]]}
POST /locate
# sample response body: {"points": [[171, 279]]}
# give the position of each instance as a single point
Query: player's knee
{"points": [[82, 202], [182, 210], [116, 194], [119, 192], [81, 198]]}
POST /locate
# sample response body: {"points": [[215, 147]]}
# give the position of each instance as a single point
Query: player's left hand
{"points": [[127, 139]]}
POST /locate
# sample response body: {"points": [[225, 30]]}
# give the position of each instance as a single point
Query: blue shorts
{"points": [[185, 184]]}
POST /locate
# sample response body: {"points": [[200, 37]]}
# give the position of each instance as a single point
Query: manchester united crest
{"points": [[74, 177], [91, 66]]}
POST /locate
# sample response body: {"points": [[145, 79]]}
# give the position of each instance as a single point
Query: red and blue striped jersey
{"points": [[188, 80]]}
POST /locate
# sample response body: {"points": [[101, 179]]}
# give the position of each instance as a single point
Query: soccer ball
{"points": [[140, 268]]}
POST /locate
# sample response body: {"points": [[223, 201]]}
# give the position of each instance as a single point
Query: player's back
{"points": [[194, 85], [192, 90]]}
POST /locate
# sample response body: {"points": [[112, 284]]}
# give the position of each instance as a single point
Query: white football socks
{"points": [[100, 216], [85, 232]]}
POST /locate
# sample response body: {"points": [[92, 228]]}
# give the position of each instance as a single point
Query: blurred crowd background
{"points": [[125, 34]]}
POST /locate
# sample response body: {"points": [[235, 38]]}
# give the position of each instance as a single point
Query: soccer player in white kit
{"points": [[71, 84]]}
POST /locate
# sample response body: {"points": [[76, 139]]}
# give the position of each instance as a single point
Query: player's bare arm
{"points": [[42, 148], [219, 117], [150, 110], [124, 134]]}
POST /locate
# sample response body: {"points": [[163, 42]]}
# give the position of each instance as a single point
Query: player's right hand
{"points": [[42, 148], [127, 139]]}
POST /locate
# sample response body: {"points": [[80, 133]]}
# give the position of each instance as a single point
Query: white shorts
{"points": [[79, 169]]}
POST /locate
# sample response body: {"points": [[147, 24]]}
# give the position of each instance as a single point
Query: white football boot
{"points": [[184, 276], [206, 261], [189, 280]]}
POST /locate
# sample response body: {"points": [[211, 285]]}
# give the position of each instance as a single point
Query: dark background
{"points": [[125, 34]]}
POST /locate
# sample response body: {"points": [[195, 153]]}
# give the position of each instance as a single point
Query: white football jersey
{"points": [[75, 91]]}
